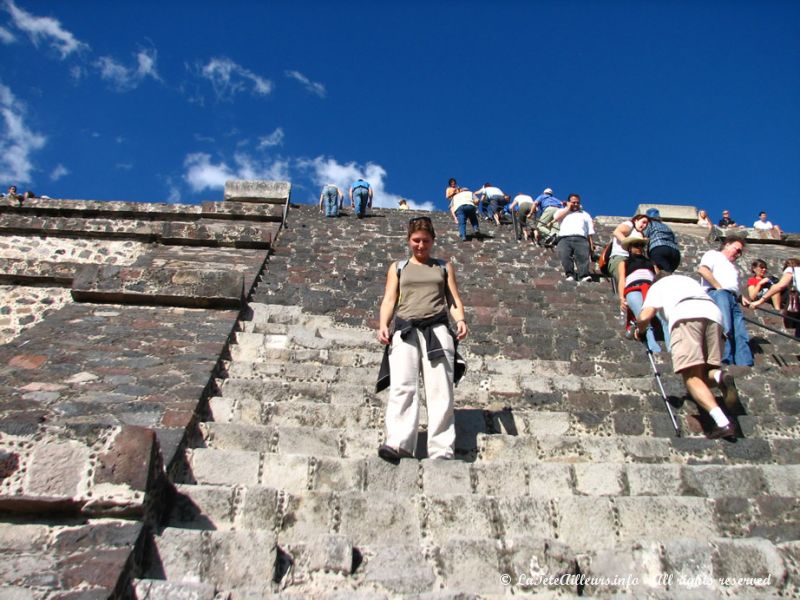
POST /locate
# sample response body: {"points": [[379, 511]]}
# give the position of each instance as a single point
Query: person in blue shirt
{"points": [[360, 197], [546, 205]]}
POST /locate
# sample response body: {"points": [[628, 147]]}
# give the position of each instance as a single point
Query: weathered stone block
{"points": [[401, 569], [623, 569], [129, 461], [255, 190], [523, 516], [643, 518], [745, 564], [337, 475], [261, 509], [226, 467], [599, 479], [671, 212], [402, 478], [654, 480], [203, 507], [373, 518], [471, 565], [288, 473], [549, 480], [155, 589], [531, 559], [441, 477], [458, 516], [717, 481], [585, 523], [308, 516], [57, 469], [500, 478]]}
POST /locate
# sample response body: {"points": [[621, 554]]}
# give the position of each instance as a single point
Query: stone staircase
{"points": [[568, 479]]}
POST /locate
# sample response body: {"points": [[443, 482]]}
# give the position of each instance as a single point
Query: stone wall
{"points": [[187, 410], [114, 320]]}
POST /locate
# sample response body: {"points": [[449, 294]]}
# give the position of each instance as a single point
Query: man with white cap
{"points": [[546, 227]]}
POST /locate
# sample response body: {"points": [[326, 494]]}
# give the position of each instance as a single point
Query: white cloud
{"points": [[6, 36], [77, 72], [59, 172], [17, 142], [311, 86], [124, 166], [124, 79], [229, 79], [329, 170], [273, 139], [201, 174], [45, 29], [204, 138]]}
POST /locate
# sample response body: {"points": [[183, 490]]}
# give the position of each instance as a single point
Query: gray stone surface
{"points": [[251, 190], [671, 212], [565, 459]]}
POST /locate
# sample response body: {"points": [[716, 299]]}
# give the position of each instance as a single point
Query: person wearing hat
{"points": [[632, 227], [635, 274], [664, 251], [546, 205]]}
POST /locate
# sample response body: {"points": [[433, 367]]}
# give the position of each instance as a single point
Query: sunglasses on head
{"points": [[415, 219]]}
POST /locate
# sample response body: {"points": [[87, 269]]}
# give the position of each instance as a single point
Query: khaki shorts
{"points": [[696, 342]]}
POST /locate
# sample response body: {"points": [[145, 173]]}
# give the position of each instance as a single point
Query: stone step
{"points": [[522, 563], [373, 516], [638, 449], [222, 559], [629, 418], [298, 475], [253, 392], [470, 439]]}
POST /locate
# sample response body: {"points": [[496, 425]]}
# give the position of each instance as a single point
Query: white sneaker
{"points": [[587, 278], [570, 278]]}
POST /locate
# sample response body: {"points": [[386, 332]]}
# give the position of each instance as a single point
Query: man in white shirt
{"points": [[462, 207], [575, 244], [695, 343], [762, 225], [720, 279], [491, 202]]}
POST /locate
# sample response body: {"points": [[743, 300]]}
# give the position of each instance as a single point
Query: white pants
{"points": [[406, 358]]}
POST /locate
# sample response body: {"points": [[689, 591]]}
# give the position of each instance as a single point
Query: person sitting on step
{"points": [[760, 282], [789, 278], [635, 275], [633, 227]]}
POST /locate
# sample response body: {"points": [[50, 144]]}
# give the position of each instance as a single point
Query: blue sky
{"points": [[689, 102]]}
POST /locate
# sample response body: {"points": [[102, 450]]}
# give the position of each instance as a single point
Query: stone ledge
{"points": [[272, 192], [36, 272], [58, 473], [142, 210], [671, 212], [170, 287], [204, 233]]}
